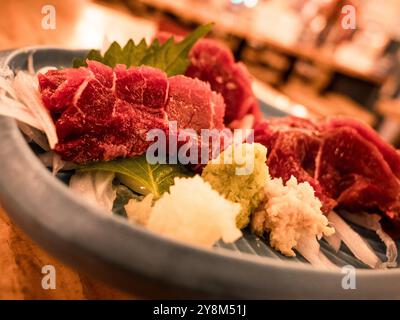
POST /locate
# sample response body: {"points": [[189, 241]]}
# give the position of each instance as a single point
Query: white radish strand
{"points": [[34, 135], [372, 222], [391, 249], [354, 241], [58, 164], [46, 159], [49, 161], [14, 109], [24, 85], [334, 241], [310, 249], [95, 187], [31, 68], [5, 85]]}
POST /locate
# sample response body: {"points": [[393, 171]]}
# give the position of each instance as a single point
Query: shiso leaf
{"points": [[170, 57], [141, 176]]}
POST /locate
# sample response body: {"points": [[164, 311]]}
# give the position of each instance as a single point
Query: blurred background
{"points": [[309, 58]]}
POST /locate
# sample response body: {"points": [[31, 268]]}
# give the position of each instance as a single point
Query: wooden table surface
{"points": [[79, 24]]}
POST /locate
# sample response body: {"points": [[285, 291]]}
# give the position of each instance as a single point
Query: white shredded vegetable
{"points": [[34, 135], [5, 85], [354, 241], [14, 109], [51, 160], [96, 187], [58, 163], [372, 222], [309, 248], [334, 241], [26, 89], [31, 68]]}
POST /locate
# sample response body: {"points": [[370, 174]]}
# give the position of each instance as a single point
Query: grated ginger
{"points": [[290, 213]]}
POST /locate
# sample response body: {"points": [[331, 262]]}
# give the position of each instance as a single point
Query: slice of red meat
{"points": [[352, 170], [346, 162], [390, 154], [193, 105], [143, 86], [111, 113], [212, 62], [58, 87], [293, 145], [102, 113]]}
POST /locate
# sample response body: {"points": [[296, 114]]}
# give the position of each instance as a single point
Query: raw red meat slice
{"points": [[102, 113], [193, 105], [58, 87], [215, 64], [102, 73], [345, 161], [353, 171], [390, 154], [142, 86], [293, 145], [111, 120], [212, 62]]}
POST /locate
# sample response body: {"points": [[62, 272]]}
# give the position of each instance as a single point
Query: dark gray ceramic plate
{"points": [[132, 258]]}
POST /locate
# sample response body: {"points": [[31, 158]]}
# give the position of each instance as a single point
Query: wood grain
{"points": [[21, 262]]}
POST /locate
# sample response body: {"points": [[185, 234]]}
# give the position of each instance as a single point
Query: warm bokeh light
{"points": [[97, 27]]}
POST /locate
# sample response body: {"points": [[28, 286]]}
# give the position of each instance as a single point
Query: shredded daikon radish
{"points": [[354, 241], [58, 164], [391, 249], [372, 222], [48, 161], [309, 248], [7, 87], [14, 109], [26, 89], [31, 68], [6, 72], [96, 187], [34, 135], [334, 241]]}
